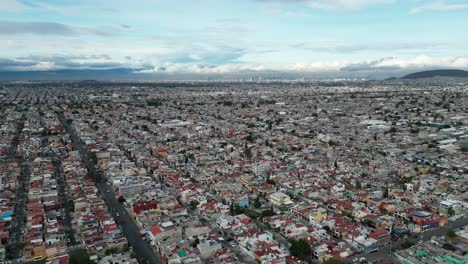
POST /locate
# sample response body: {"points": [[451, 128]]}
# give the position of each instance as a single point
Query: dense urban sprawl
{"points": [[234, 172]]}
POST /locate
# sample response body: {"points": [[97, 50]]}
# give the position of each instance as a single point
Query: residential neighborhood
{"points": [[234, 172]]}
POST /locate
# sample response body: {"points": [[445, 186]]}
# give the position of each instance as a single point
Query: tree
{"points": [[270, 181], [451, 234], [111, 250], [448, 246], [249, 137], [81, 259], [450, 211], [248, 153], [464, 149], [358, 185], [196, 242], [268, 212], [385, 194], [238, 209], [332, 260], [257, 203], [193, 204], [121, 199], [407, 244], [252, 214], [71, 205], [300, 249]]}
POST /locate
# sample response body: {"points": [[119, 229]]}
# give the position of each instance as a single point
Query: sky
{"points": [[200, 37]]}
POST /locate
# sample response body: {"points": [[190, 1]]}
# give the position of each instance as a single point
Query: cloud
{"points": [[369, 66], [346, 5], [12, 6], [52, 28], [66, 10], [63, 62], [5, 63], [415, 63], [438, 6], [384, 65], [297, 14], [332, 46], [200, 66], [334, 5]]}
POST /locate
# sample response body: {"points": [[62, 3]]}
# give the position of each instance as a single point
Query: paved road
{"points": [[15, 140], [66, 212], [243, 256], [17, 226], [19, 212], [386, 252], [129, 228]]}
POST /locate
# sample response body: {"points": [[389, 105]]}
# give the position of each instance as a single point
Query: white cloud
{"points": [[383, 65], [60, 9], [335, 5], [438, 6], [346, 5], [424, 61], [297, 14], [12, 6]]}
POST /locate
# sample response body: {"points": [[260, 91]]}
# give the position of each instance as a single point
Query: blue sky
{"points": [[221, 36]]}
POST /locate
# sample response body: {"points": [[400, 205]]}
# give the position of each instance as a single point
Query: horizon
{"points": [[311, 39]]}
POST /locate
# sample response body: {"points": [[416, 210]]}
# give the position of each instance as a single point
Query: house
{"points": [[382, 236], [280, 199]]}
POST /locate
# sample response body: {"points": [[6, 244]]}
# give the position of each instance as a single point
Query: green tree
{"points": [[249, 137], [238, 210], [385, 194], [196, 242], [450, 211], [332, 260], [451, 234], [252, 214], [111, 250], [407, 244], [270, 181], [193, 204], [358, 185], [268, 212], [121, 199], [448, 246], [82, 259], [257, 203], [248, 153], [300, 249]]}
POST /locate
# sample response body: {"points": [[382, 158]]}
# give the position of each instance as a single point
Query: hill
{"points": [[437, 73]]}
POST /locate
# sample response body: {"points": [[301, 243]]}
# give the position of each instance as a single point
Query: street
{"points": [[17, 226], [128, 226], [386, 252]]}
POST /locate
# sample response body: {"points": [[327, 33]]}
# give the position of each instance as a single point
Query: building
{"points": [[280, 199]]}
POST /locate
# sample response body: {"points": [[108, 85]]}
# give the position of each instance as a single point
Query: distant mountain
{"points": [[437, 73]]}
